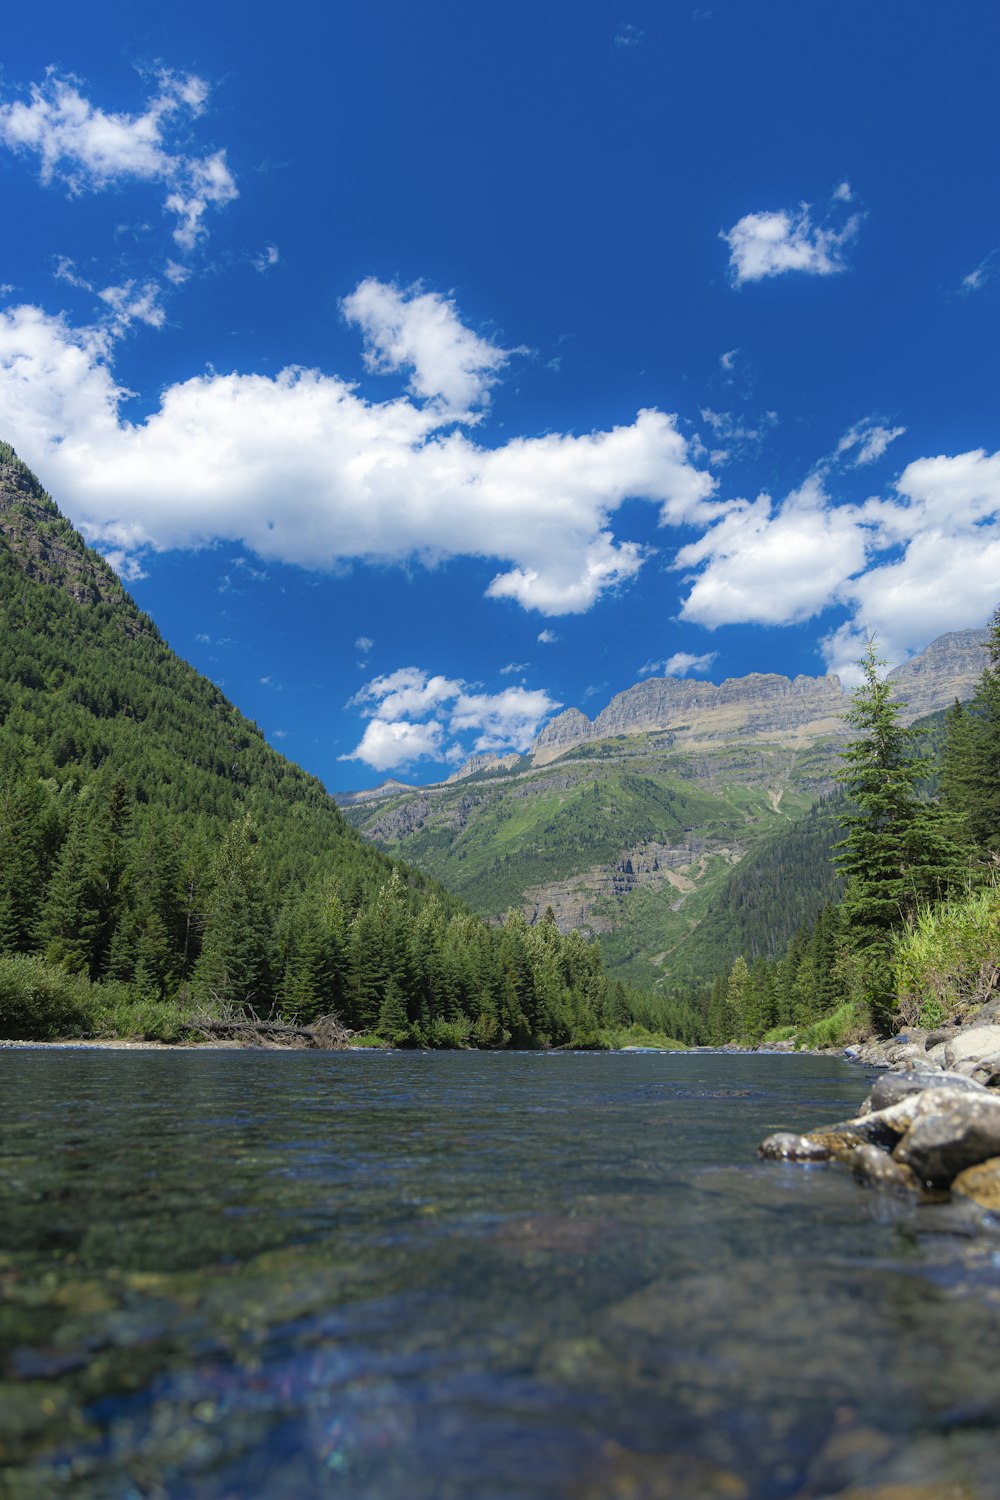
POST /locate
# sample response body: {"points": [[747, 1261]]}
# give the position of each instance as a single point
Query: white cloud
{"points": [[681, 664], [512, 667], [769, 244], [87, 149], [871, 440], [629, 36], [267, 258], [546, 637], [134, 304], [984, 272], [772, 565], [733, 435], [405, 693], [129, 569], [923, 561], [364, 644], [66, 271], [728, 360], [299, 468], [414, 715], [510, 717], [421, 332], [387, 746]]}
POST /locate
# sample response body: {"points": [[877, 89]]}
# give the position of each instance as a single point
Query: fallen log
{"points": [[248, 1029]]}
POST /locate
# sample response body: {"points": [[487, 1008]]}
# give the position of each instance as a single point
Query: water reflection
{"points": [[230, 1275]]}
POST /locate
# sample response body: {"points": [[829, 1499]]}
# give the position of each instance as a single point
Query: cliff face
{"points": [[764, 705], [948, 669]]}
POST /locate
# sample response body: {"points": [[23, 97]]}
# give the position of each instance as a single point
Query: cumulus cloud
{"points": [[775, 565], [681, 664], [771, 243], [415, 715], [870, 438], [512, 667], [410, 329], [405, 693], [984, 272], [300, 468], [385, 745], [910, 566], [86, 149], [546, 637]]}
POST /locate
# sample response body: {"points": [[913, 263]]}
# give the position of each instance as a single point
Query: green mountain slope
{"points": [[627, 838], [151, 839]]}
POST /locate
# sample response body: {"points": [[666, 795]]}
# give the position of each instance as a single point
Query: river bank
{"points": [[929, 1127]]}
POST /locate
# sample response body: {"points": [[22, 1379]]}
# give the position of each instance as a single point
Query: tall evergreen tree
{"points": [[897, 853]]}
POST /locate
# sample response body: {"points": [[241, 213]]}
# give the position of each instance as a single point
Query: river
{"points": [[472, 1277]]}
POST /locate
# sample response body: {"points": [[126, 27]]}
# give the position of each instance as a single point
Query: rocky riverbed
{"points": [[930, 1125]]}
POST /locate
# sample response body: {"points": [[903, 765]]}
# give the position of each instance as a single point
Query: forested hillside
{"points": [[152, 844]]}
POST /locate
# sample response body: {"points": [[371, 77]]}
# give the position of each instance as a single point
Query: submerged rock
{"points": [[785, 1145], [876, 1168]]}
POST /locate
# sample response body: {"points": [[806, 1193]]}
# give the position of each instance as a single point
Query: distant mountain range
{"points": [[634, 825]]}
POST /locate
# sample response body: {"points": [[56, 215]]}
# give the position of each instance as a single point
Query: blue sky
{"points": [[425, 367]]}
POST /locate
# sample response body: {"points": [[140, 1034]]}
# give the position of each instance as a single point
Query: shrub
{"points": [[948, 959], [40, 1001]]}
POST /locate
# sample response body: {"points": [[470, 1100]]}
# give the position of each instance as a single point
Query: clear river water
{"points": [[472, 1277]]}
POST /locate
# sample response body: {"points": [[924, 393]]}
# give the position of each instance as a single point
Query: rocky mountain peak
{"points": [[44, 544], [765, 705]]}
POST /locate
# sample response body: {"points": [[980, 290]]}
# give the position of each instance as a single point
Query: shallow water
{"points": [[471, 1277]]}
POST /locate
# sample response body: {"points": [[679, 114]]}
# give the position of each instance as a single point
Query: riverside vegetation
{"points": [[159, 860]]}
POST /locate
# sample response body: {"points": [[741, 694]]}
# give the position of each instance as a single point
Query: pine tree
{"points": [[234, 966], [897, 853]]}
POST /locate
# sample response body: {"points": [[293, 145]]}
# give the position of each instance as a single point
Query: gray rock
{"points": [[987, 1073], [936, 1054], [940, 1034], [903, 1049], [891, 1088], [952, 1129], [877, 1169], [977, 1043], [785, 1145]]}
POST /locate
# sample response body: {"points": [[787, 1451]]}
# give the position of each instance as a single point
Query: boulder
{"points": [[785, 1145], [977, 1043], [876, 1168], [981, 1183], [891, 1088], [952, 1129]]}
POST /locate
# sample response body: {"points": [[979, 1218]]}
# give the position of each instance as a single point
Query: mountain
{"points": [[633, 826], [156, 854]]}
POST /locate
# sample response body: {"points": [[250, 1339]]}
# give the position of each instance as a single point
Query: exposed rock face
{"points": [[765, 705], [948, 669], [568, 728], [484, 762], [46, 547], [389, 788]]}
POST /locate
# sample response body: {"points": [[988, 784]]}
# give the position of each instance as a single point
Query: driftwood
{"points": [[247, 1029]]}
